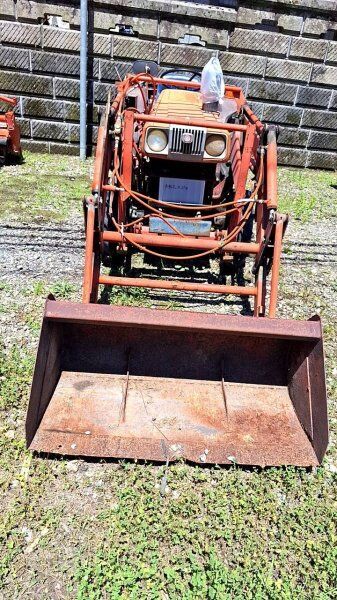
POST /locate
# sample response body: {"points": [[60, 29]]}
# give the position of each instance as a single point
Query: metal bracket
{"points": [[261, 253]]}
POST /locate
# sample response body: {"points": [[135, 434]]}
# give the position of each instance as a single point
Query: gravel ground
{"points": [[83, 529], [54, 253], [30, 254]]}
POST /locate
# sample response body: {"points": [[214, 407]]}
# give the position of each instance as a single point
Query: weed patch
{"points": [[121, 296], [81, 529], [44, 188], [307, 193], [217, 534]]}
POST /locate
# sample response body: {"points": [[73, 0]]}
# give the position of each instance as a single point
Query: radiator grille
{"points": [[177, 146]]}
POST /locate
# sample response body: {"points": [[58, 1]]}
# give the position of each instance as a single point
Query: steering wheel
{"points": [[186, 75], [194, 74]]}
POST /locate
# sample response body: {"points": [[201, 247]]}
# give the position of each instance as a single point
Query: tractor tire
{"points": [[19, 158], [3, 155], [239, 260], [117, 262]]}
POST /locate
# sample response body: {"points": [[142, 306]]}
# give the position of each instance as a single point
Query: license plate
{"points": [[181, 191], [195, 228]]}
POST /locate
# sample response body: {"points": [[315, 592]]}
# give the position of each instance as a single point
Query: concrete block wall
{"points": [[283, 53]]}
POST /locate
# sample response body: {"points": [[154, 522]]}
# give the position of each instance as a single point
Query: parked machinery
{"points": [[180, 182], [10, 144]]}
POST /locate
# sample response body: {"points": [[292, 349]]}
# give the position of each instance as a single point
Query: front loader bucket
{"points": [[153, 384]]}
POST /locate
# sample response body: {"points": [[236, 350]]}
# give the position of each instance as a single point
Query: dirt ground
{"points": [[103, 529]]}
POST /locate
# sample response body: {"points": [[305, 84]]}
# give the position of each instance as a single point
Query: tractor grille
{"points": [[193, 148]]}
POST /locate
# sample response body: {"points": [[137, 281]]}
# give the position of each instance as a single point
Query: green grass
{"points": [[105, 530], [63, 290], [15, 373], [31, 314], [120, 296], [217, 534], [303, 193], [44, 188]]}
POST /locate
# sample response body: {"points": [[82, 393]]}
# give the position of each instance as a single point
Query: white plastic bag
{"points": [[212, 86]]}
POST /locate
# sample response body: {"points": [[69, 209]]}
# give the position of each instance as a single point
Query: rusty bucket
{"points": [[129, 382]]}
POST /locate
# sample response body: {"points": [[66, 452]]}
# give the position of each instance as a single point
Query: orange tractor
{"points": [[10, 145], [180, 183]]}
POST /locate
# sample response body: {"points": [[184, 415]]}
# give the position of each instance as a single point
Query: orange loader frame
{"points": [[252, 154], [134, 382]]}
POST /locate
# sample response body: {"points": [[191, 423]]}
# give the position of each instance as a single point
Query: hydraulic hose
{"points": [[144, 200]]}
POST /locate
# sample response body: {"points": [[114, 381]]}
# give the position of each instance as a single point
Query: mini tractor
{"points": [[181, 182]]}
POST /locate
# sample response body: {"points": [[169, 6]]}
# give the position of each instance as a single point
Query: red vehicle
{"points": [[10, 144], [179, 183]]}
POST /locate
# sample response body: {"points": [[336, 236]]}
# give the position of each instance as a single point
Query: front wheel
{"points": [[239, 260], [3, 154]]}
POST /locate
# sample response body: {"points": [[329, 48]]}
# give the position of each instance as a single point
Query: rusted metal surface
{"points": [[247, 151], [275, 275], [189, 243], [127, 316], [99, 157], [89, 248], [168, 373], [183, 286], [271, 168], [188, 121], [186, 419], [127, 147], [236, 156], [253, 118], [101, 151], [7, 100], [240, 191]]}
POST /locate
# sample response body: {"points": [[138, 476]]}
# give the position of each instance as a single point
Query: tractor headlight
{"points": [[215, 144], [157, 140]]}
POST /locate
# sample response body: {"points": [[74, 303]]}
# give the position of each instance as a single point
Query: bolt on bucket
{"points": [[130, 382]]}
